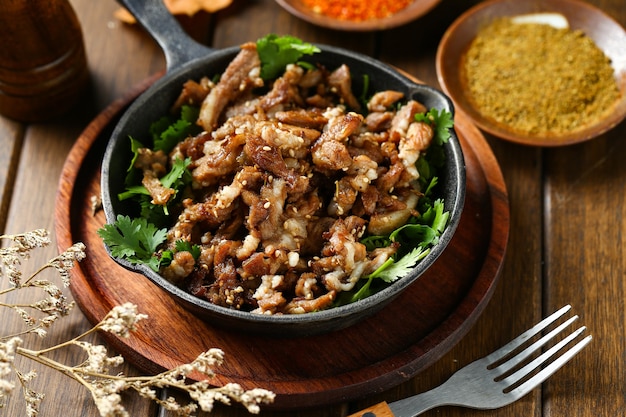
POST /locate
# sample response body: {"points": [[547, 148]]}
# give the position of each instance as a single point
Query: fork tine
{"points": [[528, 334], [526, 353], [529, 367], [546, 372]]}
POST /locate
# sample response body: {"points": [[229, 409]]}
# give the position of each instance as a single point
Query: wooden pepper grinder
{"points": [[43, 67]]}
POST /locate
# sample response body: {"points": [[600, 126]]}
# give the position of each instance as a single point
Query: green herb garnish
{"points": [[442, 122], [134, 240], [421, 232], [276, 52]]}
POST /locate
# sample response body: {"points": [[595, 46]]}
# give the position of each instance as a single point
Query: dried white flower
{"points": [[10, 266], [28, 241], [93, 371], [40, 332], [27, 318], [110, 405], [32, 398], [65, 261], [122, 320], [206, 361], [97, 359], [252, 398], [11, 256], [7, 356]]}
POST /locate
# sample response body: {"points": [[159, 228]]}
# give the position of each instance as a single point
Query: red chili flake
{"points": [[357, 10]]}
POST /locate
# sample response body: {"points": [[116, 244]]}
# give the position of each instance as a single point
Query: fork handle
{"points": [[377, 410], [411, 406]]}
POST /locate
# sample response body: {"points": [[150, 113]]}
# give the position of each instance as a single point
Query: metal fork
{"points": [[498, 379]]}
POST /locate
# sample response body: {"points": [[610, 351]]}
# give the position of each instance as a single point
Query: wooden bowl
{"points": [[413, 11], [608, 35]]}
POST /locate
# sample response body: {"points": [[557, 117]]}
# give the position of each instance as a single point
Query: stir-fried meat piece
{"points": [[193, 93], [405, 116], [417, 139], [343, 256], [340, 82], [269, 158], [181, 266], [340, 126], [153, 165], [286, 183], [241, 74], [388, 180], [379, 121], [383, 100], [303, 305], [303, 118], [219, 160], [192, 147], [359, 176], [394, 214], [367, 144], [329, 153], [160, 194], [312, 78], [292, 141], [147, 160], [284, 92]]}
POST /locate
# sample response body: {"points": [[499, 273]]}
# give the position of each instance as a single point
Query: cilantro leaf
{"points": [[388, 272], [440, 120], [167, 133], [373, 242], [436, 217], [176, 178], [185, 246], [421, 234], [177, 173], [276, 52], [134, 240], [401, 267]]}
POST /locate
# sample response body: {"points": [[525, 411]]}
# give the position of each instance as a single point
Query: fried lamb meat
{"points": [[286, 182]]}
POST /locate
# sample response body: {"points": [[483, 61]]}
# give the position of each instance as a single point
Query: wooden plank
{"points": [[585, 267], [118, 58], [11, 139]]}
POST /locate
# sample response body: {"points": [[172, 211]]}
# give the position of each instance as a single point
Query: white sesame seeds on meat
{"points": [[286, 181]]}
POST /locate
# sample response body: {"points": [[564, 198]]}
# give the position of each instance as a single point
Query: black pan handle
{"points": [[178, 47]]}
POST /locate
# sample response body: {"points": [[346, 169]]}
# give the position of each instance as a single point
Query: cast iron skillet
{"points": [[186, 60]]}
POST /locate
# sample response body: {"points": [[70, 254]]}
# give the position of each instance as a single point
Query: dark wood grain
{"points": [[378, 353], [565, 244]]}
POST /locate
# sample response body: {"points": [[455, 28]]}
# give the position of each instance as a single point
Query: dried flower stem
{"points": [[93, 372]]}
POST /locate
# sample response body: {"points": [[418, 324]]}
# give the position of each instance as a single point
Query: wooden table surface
{"points": [[566, 229]]}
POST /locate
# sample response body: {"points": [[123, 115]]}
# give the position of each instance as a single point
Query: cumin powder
{"points": [[538, 79], [357, 10]]}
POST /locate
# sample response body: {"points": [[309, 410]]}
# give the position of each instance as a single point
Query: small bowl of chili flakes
{"points": [[547, 73], [358, 15]]}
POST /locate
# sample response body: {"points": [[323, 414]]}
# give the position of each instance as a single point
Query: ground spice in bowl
{"points": [[357, 10], [538, 79]]}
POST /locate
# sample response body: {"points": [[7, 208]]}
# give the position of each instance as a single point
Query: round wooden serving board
{"points": [[407, 336]]}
